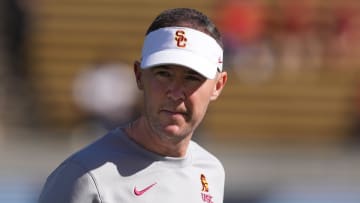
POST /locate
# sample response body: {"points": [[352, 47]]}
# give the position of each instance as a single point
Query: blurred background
{"points": [[287, 126]]}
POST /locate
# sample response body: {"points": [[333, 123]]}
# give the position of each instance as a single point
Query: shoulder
{"points": [[75, 176], [68, 182], [100, 151], [200, 152], [203, 157]]}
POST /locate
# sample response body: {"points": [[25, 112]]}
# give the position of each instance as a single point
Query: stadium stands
{"points": [[71, 34]]}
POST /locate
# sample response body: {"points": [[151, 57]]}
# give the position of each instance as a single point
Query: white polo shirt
{"points": [[114, 169]]}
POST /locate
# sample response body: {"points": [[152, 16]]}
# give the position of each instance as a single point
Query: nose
{"points": [[176, 90]]}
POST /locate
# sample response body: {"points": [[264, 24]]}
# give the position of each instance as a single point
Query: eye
{"points": [[162, 73], [195, 77]]}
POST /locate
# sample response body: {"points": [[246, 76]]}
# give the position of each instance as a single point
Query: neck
{"points": [[140, 132]]}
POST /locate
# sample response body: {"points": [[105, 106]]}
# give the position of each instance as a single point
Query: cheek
{"points": [[153, 93], [206, 92], [151, 87], [206, 96], [157, 86], [200, 102]]}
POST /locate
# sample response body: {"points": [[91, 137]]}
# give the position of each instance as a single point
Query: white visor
{"points": [[185, 47]]}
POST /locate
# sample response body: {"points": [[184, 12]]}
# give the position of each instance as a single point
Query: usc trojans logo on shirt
{"points": [[205, 189], [180, 38], [205, 184]]}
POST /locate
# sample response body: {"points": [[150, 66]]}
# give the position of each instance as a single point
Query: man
{"points": [[153, 158]]}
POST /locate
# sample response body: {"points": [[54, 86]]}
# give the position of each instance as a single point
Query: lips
{"points": [[172, 112]]}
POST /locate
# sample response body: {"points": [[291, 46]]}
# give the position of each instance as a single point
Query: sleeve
{"points": [[70, 183]]}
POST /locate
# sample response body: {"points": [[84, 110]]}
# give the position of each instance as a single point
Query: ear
{"points": [[221, 80], [138, 72]]}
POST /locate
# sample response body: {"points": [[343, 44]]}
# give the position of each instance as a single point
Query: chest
{"points": [[162, 186]]}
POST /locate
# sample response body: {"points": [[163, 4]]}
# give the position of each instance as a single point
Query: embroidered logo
{"points": [[180, 38], [206, 197], [204, 183], [141, 192]]}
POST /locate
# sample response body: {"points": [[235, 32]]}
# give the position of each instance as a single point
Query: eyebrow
{"points": [[188, 71]]}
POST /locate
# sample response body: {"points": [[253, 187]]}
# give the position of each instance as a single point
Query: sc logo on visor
{"points": [[180, 38]]}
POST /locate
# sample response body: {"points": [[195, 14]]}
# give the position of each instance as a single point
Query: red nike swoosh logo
{"points": [[141, 192]]}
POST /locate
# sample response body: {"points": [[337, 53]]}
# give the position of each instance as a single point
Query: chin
{"points": [[174, 131], [171, 129]]}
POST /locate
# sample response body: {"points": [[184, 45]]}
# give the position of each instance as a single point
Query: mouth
{"points": [[172, 112]]}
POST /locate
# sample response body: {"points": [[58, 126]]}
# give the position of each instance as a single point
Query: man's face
{"points": [[176, 99]]}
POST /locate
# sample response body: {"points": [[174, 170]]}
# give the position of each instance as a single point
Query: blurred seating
{"points": [[71, 34], [310, 110]]}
